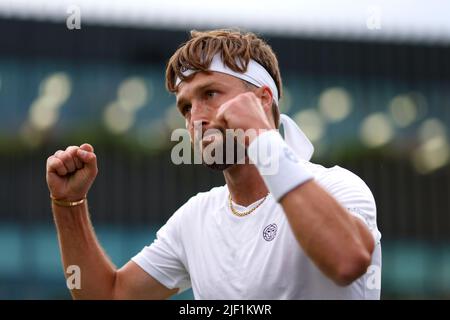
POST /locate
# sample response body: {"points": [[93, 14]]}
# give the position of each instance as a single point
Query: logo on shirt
{"points": [[270, 232]]}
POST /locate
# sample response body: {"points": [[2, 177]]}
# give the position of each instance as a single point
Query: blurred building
{"points": [[371, 89]]}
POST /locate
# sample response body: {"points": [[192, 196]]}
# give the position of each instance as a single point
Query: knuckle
{"points": [[71, 148], [244, 98], [68, 156], [52, 162], [63, 156], [59, 153], [226, 104]]}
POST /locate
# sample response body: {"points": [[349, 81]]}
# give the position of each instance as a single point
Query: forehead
{"points": [[201, 79]]}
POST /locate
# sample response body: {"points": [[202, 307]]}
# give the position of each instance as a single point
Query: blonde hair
{"points": [[236, 49]]}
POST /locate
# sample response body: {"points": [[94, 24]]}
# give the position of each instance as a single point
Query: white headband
{"points": [[256, 74]]}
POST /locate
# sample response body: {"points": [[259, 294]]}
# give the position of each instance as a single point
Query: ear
{"points": [[266, 97]]}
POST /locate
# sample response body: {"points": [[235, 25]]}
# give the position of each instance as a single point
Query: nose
{"points": [[201, 114]]}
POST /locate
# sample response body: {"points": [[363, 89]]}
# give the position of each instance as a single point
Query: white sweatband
{"points": [[256, 74], [278, 165]]}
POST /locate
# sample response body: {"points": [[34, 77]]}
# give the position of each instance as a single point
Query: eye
{"points": [[210, 93], [185, 109]]}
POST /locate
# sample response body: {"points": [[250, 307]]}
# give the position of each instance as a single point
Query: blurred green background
{"points": [[380, 109]]}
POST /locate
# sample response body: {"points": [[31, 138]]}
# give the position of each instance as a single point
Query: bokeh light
{"points": [[312, 124], [335, 104], [376, 130]]}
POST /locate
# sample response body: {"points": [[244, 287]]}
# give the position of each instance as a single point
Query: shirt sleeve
{"points": [[354, 195], [164, 259]]}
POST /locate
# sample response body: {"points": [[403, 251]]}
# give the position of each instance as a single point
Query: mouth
{"points": [[211, 138]]}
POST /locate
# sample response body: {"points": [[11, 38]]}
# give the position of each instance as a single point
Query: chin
{"points": [[220, 143]]}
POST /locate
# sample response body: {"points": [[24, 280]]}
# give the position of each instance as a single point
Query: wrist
{"points": [[279, 166], [255, 135], [67, 202]]}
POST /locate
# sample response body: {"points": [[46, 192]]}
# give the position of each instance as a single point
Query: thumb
{"points": [[87, 147], [88, 158], [219, 120]]}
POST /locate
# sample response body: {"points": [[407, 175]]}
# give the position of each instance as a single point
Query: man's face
{"points": [[198, 99]]}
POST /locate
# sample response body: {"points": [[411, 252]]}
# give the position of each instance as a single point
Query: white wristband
{"points": [[278, 165]]}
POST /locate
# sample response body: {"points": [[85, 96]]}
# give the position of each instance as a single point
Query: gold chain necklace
{"points": [[243, 214]]}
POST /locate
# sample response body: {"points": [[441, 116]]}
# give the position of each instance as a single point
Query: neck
{"points": [[245, 184]]}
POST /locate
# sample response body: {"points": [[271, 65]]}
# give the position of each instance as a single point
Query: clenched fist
{"points": [[70, 173], [245, 111]]}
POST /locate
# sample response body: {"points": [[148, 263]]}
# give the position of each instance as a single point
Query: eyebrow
{"points": [[202, 87]]}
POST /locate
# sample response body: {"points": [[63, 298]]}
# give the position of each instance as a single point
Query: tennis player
{"points": [[280, 228]]}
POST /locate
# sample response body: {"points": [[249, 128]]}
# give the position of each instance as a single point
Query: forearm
{"points": [[79, 246], [328, 234]]}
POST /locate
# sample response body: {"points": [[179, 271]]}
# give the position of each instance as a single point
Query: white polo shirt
{"points": [[223, 256]]}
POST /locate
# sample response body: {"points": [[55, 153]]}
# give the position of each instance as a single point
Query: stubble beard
{"points": [[234, 158]]}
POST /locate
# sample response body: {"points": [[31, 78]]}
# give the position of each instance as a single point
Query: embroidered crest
{"points": [[270, 232]]}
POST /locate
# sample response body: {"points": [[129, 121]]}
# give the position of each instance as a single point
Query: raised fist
{"points": [[70, 173]]}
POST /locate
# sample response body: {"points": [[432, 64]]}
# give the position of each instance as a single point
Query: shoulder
{"points": [[192, 211], [212, 198], [215, 194], [202, 202]]}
